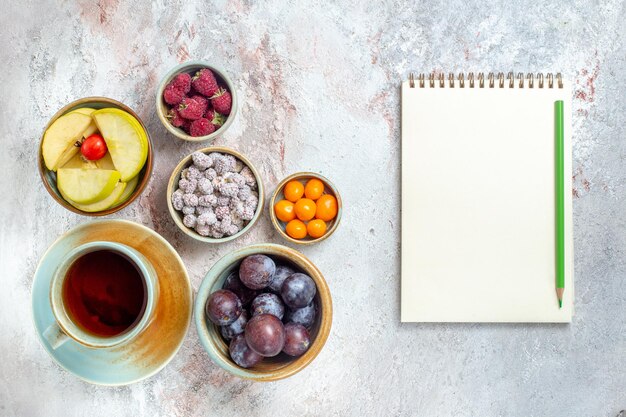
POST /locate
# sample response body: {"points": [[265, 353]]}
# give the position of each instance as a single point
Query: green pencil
{"points": [[560, 200]]}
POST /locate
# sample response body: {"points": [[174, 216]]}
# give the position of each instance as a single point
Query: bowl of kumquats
{"points": [[305, 208]]}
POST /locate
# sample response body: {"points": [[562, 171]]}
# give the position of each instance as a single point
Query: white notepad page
{"points": [[478, 204]]}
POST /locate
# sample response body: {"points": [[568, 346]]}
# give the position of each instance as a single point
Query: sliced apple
{"points": [[103, 204], [92, 128], [128, 191], [86, 186], [105, 162], [125, 140], [85, 110], [68, 155], [78, 161], [62, 135]]}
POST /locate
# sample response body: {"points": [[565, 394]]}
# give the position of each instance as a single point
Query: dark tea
{"points": [[104, 293]]}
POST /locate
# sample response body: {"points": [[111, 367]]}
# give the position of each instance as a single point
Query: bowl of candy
{"points": [[215, 195], [263, 312], [95, 156], [196, 101]]}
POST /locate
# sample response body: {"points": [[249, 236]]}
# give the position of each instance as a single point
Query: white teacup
{"points": [[64, 328]]}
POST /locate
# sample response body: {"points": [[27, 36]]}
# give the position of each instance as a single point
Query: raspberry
{"points": [[186, 125], [221, 101], [201, 127], [190, 109], [204, 103], [182, 82], [174, 118], [204, 82], [215, 118], [172, 95]]}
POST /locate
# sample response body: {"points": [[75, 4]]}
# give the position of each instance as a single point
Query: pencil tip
{"points": [[560, 303]]}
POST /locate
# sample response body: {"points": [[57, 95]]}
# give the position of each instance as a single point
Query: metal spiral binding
{"points": [[528, 80]]}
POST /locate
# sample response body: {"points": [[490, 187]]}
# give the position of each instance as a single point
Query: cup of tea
{"points": [[102, 294]]}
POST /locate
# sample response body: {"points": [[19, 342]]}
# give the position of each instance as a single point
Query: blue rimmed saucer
{"points": [[150, 351]]}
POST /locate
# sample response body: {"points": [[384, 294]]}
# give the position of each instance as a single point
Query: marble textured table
{"points": [[319, 88]]}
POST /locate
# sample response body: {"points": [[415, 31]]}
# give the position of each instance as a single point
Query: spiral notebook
{"points": [[478, 199]]}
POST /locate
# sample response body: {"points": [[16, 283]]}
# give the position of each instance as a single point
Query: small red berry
{"points": [[201, 127], [215, 118], [172, 95], [186, 125], [190, 109], [94, 147], [204, 102], [204, 82], [175, 118], [221, 101], [182, 82]]}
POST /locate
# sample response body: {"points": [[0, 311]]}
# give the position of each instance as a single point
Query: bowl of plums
{"points": [[263, 312]]}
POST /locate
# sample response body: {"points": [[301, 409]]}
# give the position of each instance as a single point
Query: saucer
{"points": [[157, 344]]}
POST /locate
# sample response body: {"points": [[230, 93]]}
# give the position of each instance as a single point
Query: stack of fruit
{"points": [[199, 105], [306, 203], [264, 309], [97, 156]]}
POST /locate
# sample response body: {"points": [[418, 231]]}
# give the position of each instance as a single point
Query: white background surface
{"points": [[319, 90]]}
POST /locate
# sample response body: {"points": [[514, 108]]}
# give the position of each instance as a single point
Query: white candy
{"points": [[189, 220], [216, 195], [205, 186]]}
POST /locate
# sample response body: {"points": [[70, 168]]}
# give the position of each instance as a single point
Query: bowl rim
{"points": [[174, 214], [179, 132], [147, 166], [211, 279], [297, 176]]}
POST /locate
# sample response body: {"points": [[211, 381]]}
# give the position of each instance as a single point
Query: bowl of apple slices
{"points": [[95, 156]]}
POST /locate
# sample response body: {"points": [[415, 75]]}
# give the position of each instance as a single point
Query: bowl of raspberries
{"points": [[215, 195], [263, 312], [196, 101]]}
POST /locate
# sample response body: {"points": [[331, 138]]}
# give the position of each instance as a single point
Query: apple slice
{"points": [[128, 191], [92, 128], [125, 140], [61, 135], [105, 162], [86, 186], [85, 110], [77, 161], [67, 155], [103, 204]]}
